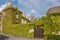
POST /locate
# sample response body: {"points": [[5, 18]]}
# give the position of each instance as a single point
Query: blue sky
{"points": [[38, 8]]}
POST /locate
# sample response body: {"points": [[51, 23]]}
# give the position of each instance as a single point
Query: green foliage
{"points": [[16, 29], [55, 13], [53, 37], [45, 24], [19, 30], [50, 23]]}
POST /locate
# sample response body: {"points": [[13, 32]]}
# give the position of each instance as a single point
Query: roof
{"points": [[11, 6], [14, 9], [53, 10], [25, 18]]}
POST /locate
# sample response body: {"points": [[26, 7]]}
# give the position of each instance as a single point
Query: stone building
{"points": [[54, 14], [14, 14]]}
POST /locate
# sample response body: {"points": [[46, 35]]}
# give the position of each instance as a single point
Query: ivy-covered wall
{"points": [[10, 26]]}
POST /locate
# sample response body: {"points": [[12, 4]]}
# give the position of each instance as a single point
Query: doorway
{"points": [[38, 32]]}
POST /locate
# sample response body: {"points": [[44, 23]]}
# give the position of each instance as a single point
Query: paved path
{"points": [[10, 37]]}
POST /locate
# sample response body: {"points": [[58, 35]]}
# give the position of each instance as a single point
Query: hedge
{"points": [[53, 37]]}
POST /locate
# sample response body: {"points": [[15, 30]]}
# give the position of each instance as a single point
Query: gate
{"points": [[38, 32]]}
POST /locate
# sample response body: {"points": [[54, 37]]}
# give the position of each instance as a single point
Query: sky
{"points": [[37, 8]]}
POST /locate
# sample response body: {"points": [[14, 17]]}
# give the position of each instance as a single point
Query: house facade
{"points": [[14, 14], [54, 14]]}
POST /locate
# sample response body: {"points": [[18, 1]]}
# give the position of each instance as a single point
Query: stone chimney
{"points": [[32, 18], [9, 4]]}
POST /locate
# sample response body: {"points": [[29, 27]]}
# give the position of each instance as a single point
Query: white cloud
{"points": [[2, 7], [30, 3], [51, 0], [38, 6], [33, 12]]}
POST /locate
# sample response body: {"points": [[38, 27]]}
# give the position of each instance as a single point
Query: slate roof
{"points": [[53, 10]]}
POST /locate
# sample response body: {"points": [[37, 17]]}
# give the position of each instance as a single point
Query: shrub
{"points": [[53, 37]]}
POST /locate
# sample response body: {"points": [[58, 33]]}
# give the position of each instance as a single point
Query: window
{"points": [[17, 15], [15, 18]]}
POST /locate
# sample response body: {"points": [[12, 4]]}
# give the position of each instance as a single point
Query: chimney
{"points": [[32, 18], [9, 4]]}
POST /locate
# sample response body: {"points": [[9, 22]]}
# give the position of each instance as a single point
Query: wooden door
{"points": [[38, 33]]}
